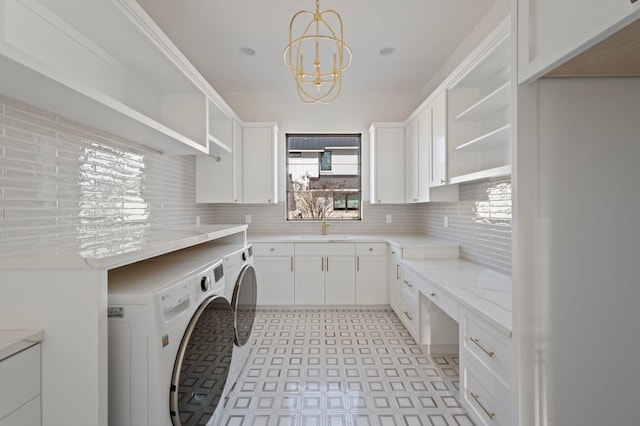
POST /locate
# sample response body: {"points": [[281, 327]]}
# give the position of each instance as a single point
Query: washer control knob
{"points": [[244, 256], [205, 283]]}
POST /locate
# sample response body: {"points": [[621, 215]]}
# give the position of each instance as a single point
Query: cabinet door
{"points": [[218, 179], [550, 32], [395, 280], [424, 157], [438, 142], [387, 164], [275, 280], [309, 280], [340, 286], [411, 163], [371, 280], [259, 164]]}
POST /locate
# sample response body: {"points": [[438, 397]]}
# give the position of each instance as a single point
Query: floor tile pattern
{"points": [[342, 367]]}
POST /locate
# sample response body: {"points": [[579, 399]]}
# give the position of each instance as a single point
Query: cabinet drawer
{"points": [[442, 300], [371, 249], [19, 379], [409, 282], [487, 404], [410, 293], [487, 347], [325, 249], [30, 414], [273, 249], [410, 316]]}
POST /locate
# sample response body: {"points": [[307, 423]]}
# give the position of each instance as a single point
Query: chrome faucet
{"points": [[325, 224]]}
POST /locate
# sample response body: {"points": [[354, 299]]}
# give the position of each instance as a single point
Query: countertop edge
{"points": [[405, 241], [14, 341]]}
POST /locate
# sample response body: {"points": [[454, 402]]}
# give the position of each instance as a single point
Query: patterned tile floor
{"points": [[338, 367]]}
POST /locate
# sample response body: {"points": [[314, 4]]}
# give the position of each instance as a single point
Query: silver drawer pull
{"points": [[433, 294], [272, 249], [407, 283], [476, 397], [477, 342], [408, 316]]}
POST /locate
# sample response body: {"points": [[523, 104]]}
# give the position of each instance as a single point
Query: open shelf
{"points": [[483, 174], [488, 105], [493, 138], [66, 57]]}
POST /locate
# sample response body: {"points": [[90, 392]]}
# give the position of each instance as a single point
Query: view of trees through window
{"points": [[323, 177]]}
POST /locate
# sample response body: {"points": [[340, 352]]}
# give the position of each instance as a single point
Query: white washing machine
{"points": [[171, 340]]}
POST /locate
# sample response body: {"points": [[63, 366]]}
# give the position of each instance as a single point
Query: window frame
{"points": [[341, 214]]}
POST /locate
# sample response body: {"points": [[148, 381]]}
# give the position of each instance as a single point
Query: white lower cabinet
{"points": [[274, 269], [410, 304], [371, 274], [485, 376], [325, 274], [395, 278], [20, 388], [321, 273]]}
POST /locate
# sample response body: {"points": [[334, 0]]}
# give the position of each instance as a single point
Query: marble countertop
{"points": [[118, 247], [404, 241], [478, 289], [13, 341]]}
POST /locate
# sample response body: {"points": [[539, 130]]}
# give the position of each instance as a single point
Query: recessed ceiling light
{"points": [[247, 51], [387, 51]]}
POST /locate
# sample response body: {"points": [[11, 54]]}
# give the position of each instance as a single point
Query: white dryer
{"points": [[171, 340], [241, 289]]}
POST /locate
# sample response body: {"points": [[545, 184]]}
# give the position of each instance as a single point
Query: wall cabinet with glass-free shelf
{"points": [[66, 57], [478, 111]]}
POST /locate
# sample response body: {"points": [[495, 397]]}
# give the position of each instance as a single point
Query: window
{"points": [[323, 177], [325, 161]]}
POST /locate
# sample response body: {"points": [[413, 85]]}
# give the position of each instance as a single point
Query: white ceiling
{"points": [[211, 32]]}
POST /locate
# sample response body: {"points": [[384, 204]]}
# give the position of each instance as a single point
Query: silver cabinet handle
{"points": [[407, 283], [397, 272], [476, 397], [477, 342], [408, 316], [442, 180], [358, 264], [322, 263], [327, 263], [272, 249], [291, 263], [432, 294]]}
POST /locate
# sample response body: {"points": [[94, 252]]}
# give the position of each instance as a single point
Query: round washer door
{"points": [[244, 304], [202, 365]]}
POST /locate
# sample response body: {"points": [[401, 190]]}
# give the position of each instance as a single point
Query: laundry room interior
{"points": [[319, 213]]}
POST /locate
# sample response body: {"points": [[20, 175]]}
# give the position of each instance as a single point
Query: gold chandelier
{"points": [[319, 44]]}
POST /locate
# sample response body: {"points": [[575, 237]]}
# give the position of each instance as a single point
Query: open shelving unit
{"points": [[478, 111], [67, 58]]}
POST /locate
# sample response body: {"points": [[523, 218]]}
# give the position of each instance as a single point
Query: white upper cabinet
{"points": [[387, 163], [106, 64], [550, 32], [438, 142], [260, 163], [478, 111], [417, 158], [246, 175], [426, 154], [219, 177]]}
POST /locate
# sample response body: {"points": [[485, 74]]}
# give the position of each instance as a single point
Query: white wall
{"points": [[577, 239]]}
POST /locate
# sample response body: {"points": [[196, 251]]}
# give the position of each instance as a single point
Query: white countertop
{"points": [[13, 341], [479, 289], [404, 241], [118, 247]]}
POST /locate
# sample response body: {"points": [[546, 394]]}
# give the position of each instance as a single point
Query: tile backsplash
{"points": [[61, 182]]}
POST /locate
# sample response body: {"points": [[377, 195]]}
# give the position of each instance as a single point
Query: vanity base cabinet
{"points": [[309, 280], [340, 282]]}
